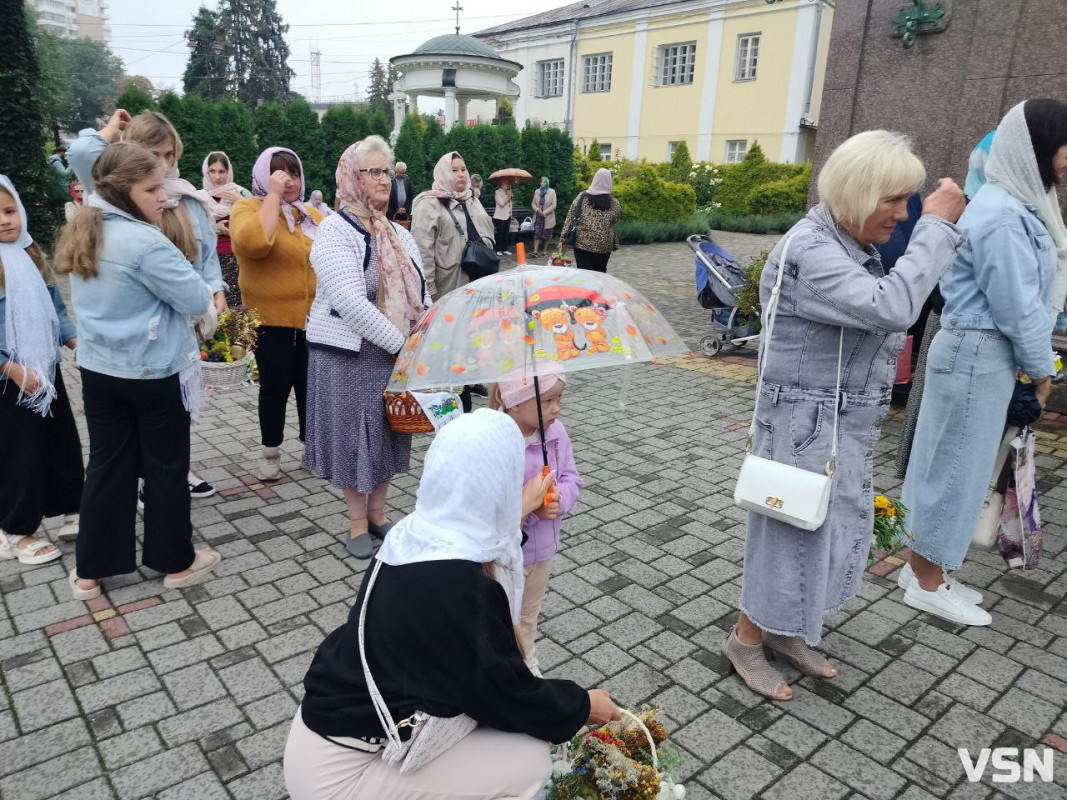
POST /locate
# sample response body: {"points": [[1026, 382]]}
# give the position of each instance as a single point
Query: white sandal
{"points": [[29, 554], [69, 531], [79, 592]]}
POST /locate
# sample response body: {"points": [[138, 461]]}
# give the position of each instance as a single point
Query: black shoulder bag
{"points": [[478, 260], [570, 237]]}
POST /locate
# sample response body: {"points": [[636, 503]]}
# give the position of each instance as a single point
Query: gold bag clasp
{"points": [[773, 502]]}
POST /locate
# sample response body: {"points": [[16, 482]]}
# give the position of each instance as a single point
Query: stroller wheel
{"points": [[710, 345]]}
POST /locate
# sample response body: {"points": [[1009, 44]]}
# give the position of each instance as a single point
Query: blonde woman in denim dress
{"points": [[833, 290]]}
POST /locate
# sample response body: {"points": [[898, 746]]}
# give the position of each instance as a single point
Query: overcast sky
{"points": [[350, 34]]}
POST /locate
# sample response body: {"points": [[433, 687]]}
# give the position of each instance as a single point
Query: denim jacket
{"points": [[830, 283], [83, 154], [66, 327], [133, 317], [1003, 275]]}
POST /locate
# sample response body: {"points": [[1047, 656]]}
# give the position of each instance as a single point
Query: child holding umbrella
{"points": [[541, 521]]}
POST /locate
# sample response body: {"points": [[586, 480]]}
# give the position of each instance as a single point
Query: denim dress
{"points": [[997, 319], [793, 578]]}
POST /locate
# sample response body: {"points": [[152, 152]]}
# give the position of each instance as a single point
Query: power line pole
{"points": [[316, 76]]}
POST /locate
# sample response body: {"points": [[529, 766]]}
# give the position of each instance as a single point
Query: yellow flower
{"points": [[881, 502], [890, 512]]}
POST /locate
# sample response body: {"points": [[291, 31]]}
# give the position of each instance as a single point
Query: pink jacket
{"points": [[543, 534]]}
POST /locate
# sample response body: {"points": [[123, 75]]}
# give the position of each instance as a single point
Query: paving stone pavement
{"points": [[147, 692]]}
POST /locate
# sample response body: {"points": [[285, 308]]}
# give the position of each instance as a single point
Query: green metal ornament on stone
{"points": [[911, 20]]}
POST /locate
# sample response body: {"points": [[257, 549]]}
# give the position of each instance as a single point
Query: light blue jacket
{"points": [[134, 317], [1002, 279], [83, 154]]}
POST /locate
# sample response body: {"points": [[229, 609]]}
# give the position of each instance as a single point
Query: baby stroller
{"points": [[718, 278]]}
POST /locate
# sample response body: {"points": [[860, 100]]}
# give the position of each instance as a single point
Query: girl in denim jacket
{"points": [[541, 520], [134, 293], [41, 472]]}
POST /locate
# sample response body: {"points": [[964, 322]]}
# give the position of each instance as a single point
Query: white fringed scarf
{"points": [[31, 324]]}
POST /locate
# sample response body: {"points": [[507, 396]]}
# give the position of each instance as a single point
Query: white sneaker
{"points": [[907, 577], [269, 464], [946, 603]]}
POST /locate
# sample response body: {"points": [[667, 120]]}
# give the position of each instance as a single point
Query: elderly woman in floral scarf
{"points": [[370, 292]]}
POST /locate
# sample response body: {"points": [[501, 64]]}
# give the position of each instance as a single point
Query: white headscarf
{"points": [[469, 503], [31, 324], [1012, 165]]}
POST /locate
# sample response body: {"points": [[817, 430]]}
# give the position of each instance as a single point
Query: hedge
{"points": [[787, 195], [646, 196], [639, 231], [740, 180]]}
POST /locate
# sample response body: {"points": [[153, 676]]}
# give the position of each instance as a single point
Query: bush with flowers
{"points": [[616, 762], [234, 337], [705, 180], [889, 528]]}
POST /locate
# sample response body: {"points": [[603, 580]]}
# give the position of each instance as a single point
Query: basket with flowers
{"points": [[629, 760], [889, 528], [557, 259], [225, 356]]}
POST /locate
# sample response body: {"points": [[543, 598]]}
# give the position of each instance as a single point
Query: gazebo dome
{"points": [[456, 68], [455, 44]]}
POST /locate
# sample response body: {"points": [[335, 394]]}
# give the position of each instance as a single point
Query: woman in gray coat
{"points": [[833, 290]]}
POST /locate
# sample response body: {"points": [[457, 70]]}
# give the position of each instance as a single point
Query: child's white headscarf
{"points": [[469, 503], [31, 324], [1012, 165]]}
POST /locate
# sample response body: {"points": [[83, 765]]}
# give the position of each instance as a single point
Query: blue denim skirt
{"points": [[970, 375]]}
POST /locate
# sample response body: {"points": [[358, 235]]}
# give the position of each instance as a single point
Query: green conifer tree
{"points": [[237, 139], [409, 150], [199, 129], [304, 137], [270, 126], [22, 134]]}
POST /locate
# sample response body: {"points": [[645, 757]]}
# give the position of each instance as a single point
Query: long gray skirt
{"points": [[348, 440], [793, 578]]}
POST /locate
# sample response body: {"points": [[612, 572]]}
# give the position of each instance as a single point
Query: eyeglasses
{"points": [[378, 174]]}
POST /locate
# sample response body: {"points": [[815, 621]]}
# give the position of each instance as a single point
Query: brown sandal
{"points": [[804, 660], [748, 661]]}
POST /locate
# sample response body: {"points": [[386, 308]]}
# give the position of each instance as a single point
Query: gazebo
{"points": [[457, 68]]}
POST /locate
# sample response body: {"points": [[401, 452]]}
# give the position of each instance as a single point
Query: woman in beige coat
{"points": [[502, 216], [544, 208], [443, 219]]}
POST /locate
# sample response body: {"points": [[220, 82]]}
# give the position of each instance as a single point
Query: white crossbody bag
{"points": [[786, 493], [430, 736]]}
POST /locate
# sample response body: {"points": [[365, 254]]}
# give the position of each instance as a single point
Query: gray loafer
{"points": [[361, 546], [379, 531]]}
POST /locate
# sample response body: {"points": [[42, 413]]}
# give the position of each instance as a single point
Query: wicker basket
{"points": [[402, 219], [405, 415], [224, 374]]}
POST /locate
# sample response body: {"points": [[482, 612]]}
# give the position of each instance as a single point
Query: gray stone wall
{"points": [[953, 87]]}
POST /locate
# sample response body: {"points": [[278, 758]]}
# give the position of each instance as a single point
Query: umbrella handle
{"points": [[550, 495]]}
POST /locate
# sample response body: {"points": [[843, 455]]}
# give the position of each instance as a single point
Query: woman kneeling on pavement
{"points": [[839, 318], [439, 634]]}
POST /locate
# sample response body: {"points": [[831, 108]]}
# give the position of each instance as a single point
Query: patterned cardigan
{"points": [[342, 315]]}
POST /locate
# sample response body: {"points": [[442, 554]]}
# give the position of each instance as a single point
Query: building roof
{"points": [[455, 44], [584, 9]]}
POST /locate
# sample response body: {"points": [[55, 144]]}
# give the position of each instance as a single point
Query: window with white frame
{"points": [[677, 64], [596, 73], [605, 150], [549, 78], [735, 150], [747, 57], [671, 147]]}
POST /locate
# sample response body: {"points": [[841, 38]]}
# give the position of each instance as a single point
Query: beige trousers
{"points": [[486, 765], [533, 594]]}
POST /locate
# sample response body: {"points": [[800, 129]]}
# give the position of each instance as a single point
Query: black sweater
{"points": [[439, 639]]}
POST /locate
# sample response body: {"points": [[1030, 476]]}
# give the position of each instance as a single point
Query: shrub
{"points": [[787, 195], [748, 295], [741, 223], [648, 197], [641, 231], [681, 163], [593, 153], [755, 170]]}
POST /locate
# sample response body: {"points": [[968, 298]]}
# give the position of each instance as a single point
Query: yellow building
{"points": [[640, 76]]}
